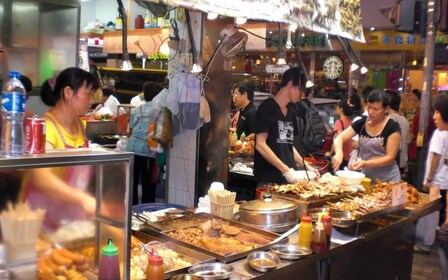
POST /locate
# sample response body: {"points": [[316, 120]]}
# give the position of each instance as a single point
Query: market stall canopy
{"points": [[337, 17]]}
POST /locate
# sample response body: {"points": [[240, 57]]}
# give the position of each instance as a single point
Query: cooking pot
{"points": [[277, 215]]}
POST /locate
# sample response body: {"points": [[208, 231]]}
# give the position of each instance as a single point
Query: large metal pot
{"points": [[277, 215]]}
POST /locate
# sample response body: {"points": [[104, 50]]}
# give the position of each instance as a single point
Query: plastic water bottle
{"points": [[122, 143], [13, 112]]}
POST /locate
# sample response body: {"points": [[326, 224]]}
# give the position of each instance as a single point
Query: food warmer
{"points": [[110, 183]]}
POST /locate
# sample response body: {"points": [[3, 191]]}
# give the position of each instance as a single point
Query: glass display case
{"points": [[101, 174]]}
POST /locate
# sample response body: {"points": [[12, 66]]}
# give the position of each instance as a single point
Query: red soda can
{"points": [[35, 132]]}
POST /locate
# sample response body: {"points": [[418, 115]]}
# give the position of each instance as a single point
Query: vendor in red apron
{"points": [[62, 191], [379, 141]]}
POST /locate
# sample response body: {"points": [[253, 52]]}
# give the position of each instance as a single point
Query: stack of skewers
{"points": [[20, 227], [222, 203]]}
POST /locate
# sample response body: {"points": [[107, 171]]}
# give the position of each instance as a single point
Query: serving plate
{"points": [[212, 271], [290, 251]]}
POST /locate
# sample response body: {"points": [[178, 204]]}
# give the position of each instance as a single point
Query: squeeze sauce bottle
{"points": [[328, 225], [109, 264], [306, 232], [319, 243], [155, 269]]}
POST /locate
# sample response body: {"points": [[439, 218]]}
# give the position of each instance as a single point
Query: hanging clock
{"points": [[333, 67]]}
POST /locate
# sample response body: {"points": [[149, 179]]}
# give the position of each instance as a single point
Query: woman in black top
{"points": [[379, 141]]}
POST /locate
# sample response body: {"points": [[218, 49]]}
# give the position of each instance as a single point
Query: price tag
{"points": [[399, 194]]}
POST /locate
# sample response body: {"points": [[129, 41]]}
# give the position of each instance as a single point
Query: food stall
{"points": [[374, 242]]}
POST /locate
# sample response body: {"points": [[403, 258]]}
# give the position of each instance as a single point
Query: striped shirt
{"points": [[404, 143]]}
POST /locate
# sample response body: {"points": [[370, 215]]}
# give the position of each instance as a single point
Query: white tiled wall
{"points": [[182, 169]]}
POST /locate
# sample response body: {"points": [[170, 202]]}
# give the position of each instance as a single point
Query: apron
{"points": [[373, 147], [59, 213]]}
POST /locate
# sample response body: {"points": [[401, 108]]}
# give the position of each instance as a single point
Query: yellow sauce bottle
{"points": [[306, 232]]}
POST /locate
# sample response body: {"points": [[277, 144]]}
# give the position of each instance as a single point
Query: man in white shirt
{"points": [[436, 176]]}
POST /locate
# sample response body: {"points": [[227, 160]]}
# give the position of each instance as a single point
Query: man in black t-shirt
{"points": [[243, 97], [276, 159]]}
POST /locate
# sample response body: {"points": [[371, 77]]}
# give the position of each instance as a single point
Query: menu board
{"points": [[337, 17]]}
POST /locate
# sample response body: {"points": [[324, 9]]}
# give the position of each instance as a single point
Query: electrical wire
{"points": [[253, 34]]}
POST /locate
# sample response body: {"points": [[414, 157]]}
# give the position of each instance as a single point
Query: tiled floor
{"points": [[426, 267]]}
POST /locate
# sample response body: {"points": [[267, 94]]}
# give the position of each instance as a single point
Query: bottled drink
{"points": [[243, 137], [122, 143], [233, 141], [109, 264], [306, 232], [155, 270], [139, 22], [148, 20], [119, 21], [319, 243], [13, 112]]}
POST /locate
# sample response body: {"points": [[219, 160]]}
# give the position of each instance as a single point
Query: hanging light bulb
{"points": [[196, 68], [309, 84], [288, 43], [292, 27], [212, 16], [240, 20], [126, 64], [353, 67], [281, 61], [363, 70]]}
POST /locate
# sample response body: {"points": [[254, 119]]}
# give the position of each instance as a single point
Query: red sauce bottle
{"points": [[109, 264], [155, 269]]}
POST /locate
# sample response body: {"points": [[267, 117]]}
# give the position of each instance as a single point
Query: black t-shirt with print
{"points": [[281, 131], [246, 121]]}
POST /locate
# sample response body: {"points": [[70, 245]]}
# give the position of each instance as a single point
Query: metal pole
{"points": [[425, 102]]}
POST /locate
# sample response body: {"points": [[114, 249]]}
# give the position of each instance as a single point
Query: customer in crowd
{"points": [[440, 107], [108, 100], [346, 109], [414, 162], [138, 100], [436, 177], [63, 191], [394, 114], [144, 158], [243, 97], [379, 141], [276, 159]]}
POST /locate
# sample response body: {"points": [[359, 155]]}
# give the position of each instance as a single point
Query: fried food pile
{"points": [[220, 237], [380, 197], [64, 264], [327, 185]]}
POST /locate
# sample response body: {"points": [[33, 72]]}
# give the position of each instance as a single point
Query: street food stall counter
{"points": [[378, 248], [102, 174]]}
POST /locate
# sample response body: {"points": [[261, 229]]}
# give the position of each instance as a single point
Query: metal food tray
{"points": [[313, 201], [198, 257], [382, 212], [204, 217]]}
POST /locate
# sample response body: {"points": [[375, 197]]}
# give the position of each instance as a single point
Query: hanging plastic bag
{"points": [[163, 133], [188, 90], [153, 145]]}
